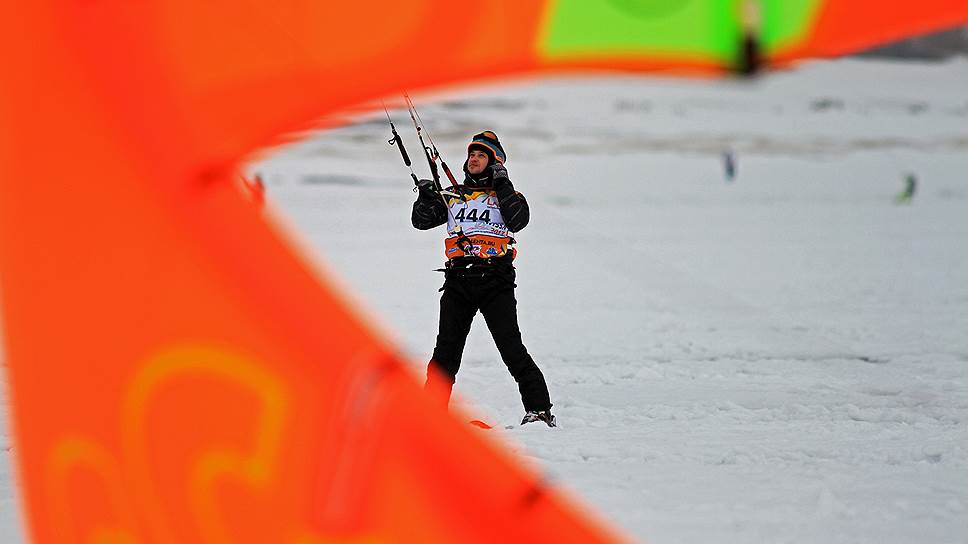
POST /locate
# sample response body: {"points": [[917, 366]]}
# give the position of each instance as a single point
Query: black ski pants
{"points": [[490, 290]]}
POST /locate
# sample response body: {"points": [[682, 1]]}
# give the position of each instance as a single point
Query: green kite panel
{"points": [[786, 22], [705, 29]]}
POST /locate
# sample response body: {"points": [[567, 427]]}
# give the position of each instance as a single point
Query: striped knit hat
{"points": [[488, 143]]}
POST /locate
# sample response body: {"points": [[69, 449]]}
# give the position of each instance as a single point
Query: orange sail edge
{"points": [[843, 27]]}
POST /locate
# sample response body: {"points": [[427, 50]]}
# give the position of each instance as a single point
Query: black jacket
{"points": [[429, 210]]}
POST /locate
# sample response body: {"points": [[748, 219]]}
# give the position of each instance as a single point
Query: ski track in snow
{"points": [[782, 358]]}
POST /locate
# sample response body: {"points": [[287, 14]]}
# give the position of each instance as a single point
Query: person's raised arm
{"points": [[514, 208]]}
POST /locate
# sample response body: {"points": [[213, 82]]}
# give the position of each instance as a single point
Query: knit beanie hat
{"points": [[488, 143]]}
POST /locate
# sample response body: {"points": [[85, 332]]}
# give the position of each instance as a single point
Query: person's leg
{"points": [[501, 314], [456, 314]]}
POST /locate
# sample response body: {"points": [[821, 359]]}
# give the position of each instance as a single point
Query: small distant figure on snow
{"points": [[729, 165], [910, 186], [254, 189]]}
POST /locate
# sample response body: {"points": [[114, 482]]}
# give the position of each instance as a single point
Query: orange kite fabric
{"points": [[177, 372]]}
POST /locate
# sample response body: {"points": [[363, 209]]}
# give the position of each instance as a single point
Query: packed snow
{"points": [[778, 358]]}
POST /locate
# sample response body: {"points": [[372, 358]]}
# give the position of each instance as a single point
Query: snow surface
{"points": [[781, 358]]}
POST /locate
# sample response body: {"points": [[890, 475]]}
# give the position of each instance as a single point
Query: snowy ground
{"points": [[9, 517], [782, 358]]}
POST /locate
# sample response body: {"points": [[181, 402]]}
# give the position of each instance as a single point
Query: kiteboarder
{"points": [[729, 165], [910, 186], [481, 214]]}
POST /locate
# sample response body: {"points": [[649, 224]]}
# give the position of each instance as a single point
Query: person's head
{"points": [[483, 151]]}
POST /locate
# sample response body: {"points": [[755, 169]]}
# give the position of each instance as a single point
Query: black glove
{"points": [[499, 176]]}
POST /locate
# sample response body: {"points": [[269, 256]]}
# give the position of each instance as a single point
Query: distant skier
{"points": [[479, 275], [910, 186], [729, 165]]}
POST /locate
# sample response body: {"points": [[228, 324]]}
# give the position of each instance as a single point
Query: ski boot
{"points": [[543, 415]]}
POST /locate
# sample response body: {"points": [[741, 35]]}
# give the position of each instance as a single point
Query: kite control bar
{"points": [[398, 141], [432, 155]]}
